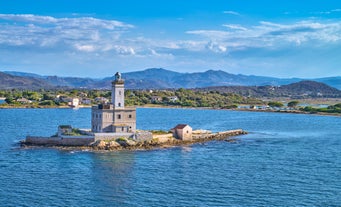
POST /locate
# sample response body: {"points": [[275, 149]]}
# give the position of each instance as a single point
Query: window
{"points": [[119, 93], [118, 116], [122, 129], [130, 116], [119, 104]]}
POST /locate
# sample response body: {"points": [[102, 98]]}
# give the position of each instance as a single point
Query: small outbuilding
{"points": [[64, 129], [182, 132]]}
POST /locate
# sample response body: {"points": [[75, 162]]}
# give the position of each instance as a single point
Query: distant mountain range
{"points": [[8, 81], [154, 78], [302, 89]]}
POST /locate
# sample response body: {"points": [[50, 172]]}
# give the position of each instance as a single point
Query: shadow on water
{"points": [[112, 173]]}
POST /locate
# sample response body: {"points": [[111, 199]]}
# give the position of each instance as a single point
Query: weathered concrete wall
{"points": [[42, 140], [143, 136], [139, 136], [112, 136], [163, 137], [62, 141], [219, 135]]}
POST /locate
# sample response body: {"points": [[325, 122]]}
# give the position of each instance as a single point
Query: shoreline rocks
{"points": [[129, 144]]}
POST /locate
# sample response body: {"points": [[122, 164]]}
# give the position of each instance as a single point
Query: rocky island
{"points": [[113, 127]]}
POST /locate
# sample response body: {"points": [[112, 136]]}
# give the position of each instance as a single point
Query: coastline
{"points": [[2, 106], [176, 107], [135, 145]]}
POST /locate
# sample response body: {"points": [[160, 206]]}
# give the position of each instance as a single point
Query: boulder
{"points": [[100, 144], [131, 143], [113, 144], [122, 141], [126, 142]]}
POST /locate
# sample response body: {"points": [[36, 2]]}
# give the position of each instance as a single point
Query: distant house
{"points": [[182, 132], [23, 100], [173, 98], [101, 100], [156, 99], [86, 101], [83, 94], [64, 129], [74, 102], [64, 99]]}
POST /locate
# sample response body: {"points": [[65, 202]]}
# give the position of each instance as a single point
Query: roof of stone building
{"points": [[180, 126]]}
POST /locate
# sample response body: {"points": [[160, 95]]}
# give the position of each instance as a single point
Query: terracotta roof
{"points": [[180, 126]]}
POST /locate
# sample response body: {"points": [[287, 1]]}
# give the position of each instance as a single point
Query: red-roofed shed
{"points": [[183, 132]]}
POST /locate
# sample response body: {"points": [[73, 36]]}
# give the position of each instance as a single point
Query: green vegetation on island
{"points": [[275, 104], [17, 98], [180, 97], [330, 109]]}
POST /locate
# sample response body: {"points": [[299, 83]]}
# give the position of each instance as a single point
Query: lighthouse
{"points": [[114, 117]]}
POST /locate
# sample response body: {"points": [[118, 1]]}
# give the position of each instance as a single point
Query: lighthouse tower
{"points": [[114, 117], [117, 92]]}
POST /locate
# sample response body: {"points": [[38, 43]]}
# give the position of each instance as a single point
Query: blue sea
{"points": [[285, 160]]}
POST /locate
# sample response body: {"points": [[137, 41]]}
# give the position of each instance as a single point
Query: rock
{"points": [[113, 144], [131, 142], [100, 144], [122, 142], [126, 142]]}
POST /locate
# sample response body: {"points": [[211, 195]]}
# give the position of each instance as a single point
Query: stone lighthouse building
{"points": [[114, 117]]}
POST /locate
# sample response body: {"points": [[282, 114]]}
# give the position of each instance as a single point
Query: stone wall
{"points": [[163, 137], [139, 136], [143, 136], [112, 136], [62, 141]]}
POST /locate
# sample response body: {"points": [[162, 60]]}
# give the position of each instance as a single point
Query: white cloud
{"points": [[215, 47], [124, 50], [80, 22], [96, 43], [213, 34], [232, 13], [273, 35], [327, 12], [39, 32], [85, 48], [234, 26], [91, 35]]}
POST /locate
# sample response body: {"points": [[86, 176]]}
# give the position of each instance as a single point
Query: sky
{"points": [[88, 38]]}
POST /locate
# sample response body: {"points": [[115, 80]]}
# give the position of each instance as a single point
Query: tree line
{"points": [[179, 97]]}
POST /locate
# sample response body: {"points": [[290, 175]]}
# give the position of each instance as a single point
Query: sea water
{"points": [[285, 160]]}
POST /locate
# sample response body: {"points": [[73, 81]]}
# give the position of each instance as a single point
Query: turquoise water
{"points": [[286, 160]]}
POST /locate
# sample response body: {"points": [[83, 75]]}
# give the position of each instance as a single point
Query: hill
{"points": [[332, 81], [158, 78], [302, 89], [9, 82]]}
